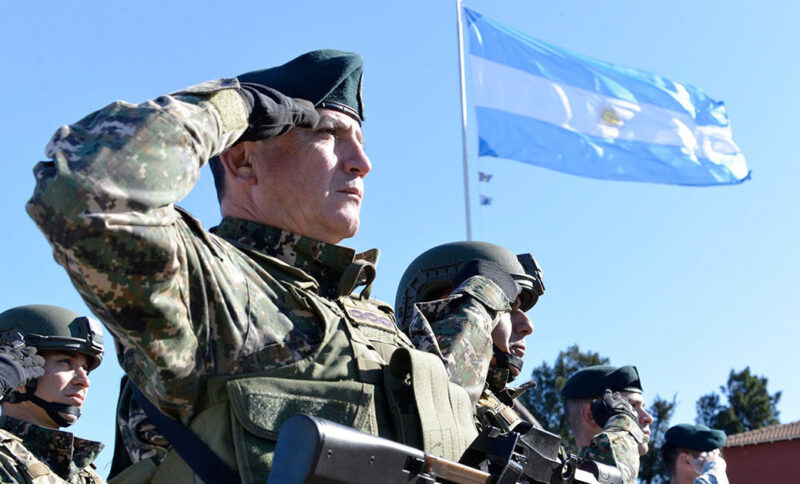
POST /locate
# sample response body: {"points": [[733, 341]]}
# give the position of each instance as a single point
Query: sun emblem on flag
{"points": [[611, 117]]}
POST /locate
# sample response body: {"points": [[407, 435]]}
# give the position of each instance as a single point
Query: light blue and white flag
{"points": [[540, 104]]}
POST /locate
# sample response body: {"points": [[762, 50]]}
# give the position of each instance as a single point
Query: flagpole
{"points": [[463, 119]]}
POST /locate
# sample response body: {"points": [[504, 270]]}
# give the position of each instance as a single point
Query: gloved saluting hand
{"points": [[18, 365], [492, 271], [610, 405], [272, 114]]}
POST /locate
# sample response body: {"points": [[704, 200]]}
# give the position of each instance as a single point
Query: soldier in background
{"points": [[692, 455], [228, 333], [605, 409], [431, 278], [32, 448]]}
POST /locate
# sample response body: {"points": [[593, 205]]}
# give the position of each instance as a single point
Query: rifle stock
{"points": [[317, 451]]}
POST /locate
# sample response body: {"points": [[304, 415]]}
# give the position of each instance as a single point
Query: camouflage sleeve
{"points": [[105, 204], [713, 473], [458, 329], [618, 445]]}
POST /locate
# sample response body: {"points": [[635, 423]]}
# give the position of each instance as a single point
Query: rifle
{"points": [[314, 450]]}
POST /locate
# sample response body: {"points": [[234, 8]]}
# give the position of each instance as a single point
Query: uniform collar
{"points": [[324, 262], [64, 453]]}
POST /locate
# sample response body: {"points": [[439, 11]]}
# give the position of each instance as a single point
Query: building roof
{"points": [[764, 435]]}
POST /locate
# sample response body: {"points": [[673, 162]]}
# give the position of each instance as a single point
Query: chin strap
{"points": [[62, 414], [500, 373], [506, 361]]}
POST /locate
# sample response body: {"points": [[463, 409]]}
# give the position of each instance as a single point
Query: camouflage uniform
{"points": [[463, 341], [468, 355], [30, 453], [189, 307], [141, 439], [617, 445]]}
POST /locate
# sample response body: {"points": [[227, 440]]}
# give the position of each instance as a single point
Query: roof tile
{"points": [[772, 433]]}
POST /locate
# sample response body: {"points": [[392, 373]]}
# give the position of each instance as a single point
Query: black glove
{"points": [[272, 113], [609, 405], [490, 270], [18, 365]]}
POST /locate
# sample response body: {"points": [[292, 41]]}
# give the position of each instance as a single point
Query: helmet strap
{"points": [[62, 414], [506, 361]]}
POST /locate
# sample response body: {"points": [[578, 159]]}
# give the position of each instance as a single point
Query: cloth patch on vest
{"points": [[38, 469], [371, 318]]}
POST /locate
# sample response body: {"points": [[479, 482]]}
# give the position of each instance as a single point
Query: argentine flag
{"points": [[540, 104]]}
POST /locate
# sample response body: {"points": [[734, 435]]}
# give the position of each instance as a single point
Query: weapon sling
{"points": [[202, 460]]}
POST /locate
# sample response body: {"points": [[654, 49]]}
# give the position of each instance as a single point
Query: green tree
{"points": [[651, 467], [545, 402], [749, 405]]}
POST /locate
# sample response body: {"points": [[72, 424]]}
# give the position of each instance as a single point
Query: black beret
{"points": [[328, 78], [592, 381], [695, 437]]}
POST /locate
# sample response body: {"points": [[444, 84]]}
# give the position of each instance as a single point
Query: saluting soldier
{"points": [[45, 392], [422, 299], [692, 455], [605, 409], [231, 331]]}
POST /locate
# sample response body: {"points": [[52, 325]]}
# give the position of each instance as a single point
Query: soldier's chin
{"points": [[643, 448]]}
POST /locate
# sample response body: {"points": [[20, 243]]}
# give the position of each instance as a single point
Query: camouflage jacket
{"points": [[30, 453], [141, 438], [617, 445], [184, 304], [459, 334]]}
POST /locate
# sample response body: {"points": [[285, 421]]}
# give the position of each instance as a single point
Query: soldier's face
{"points": [[645, 419], [512, 329], [311, 181], [65, 379]]}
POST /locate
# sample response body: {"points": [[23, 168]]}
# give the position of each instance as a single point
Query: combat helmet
{"points": [[52, 328], [432, 272]]}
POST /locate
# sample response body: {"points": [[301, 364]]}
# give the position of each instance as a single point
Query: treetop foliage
{"points": [[749, 405]]}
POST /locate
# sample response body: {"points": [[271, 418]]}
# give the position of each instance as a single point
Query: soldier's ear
{"points": [[586, 414], [238, 165]]}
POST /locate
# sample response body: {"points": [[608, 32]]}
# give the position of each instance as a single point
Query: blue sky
{"points": [[685, 283]]}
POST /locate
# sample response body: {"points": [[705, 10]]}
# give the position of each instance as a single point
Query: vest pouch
{"points": [[260, 405], [442, 408]]}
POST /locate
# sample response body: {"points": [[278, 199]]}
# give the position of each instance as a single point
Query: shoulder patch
{"points": [[376, 318]]}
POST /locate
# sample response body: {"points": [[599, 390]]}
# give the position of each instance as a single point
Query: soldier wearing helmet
{"points": [[69, 347], [434, 275]]}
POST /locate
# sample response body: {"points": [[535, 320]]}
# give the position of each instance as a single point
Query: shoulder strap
{"points": [[202, 460]]}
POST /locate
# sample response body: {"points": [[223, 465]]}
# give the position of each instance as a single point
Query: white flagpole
{"points": [[464, 120]]}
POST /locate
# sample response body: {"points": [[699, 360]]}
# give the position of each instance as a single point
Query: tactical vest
{"points": [[364, 374], [15, 458]]}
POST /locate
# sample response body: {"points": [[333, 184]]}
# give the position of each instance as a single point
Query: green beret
{"points": [[695, 437], [592, 381], [328, 78]]}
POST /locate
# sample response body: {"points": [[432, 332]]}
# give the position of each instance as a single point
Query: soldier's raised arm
{"points": [[105, 202]]}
